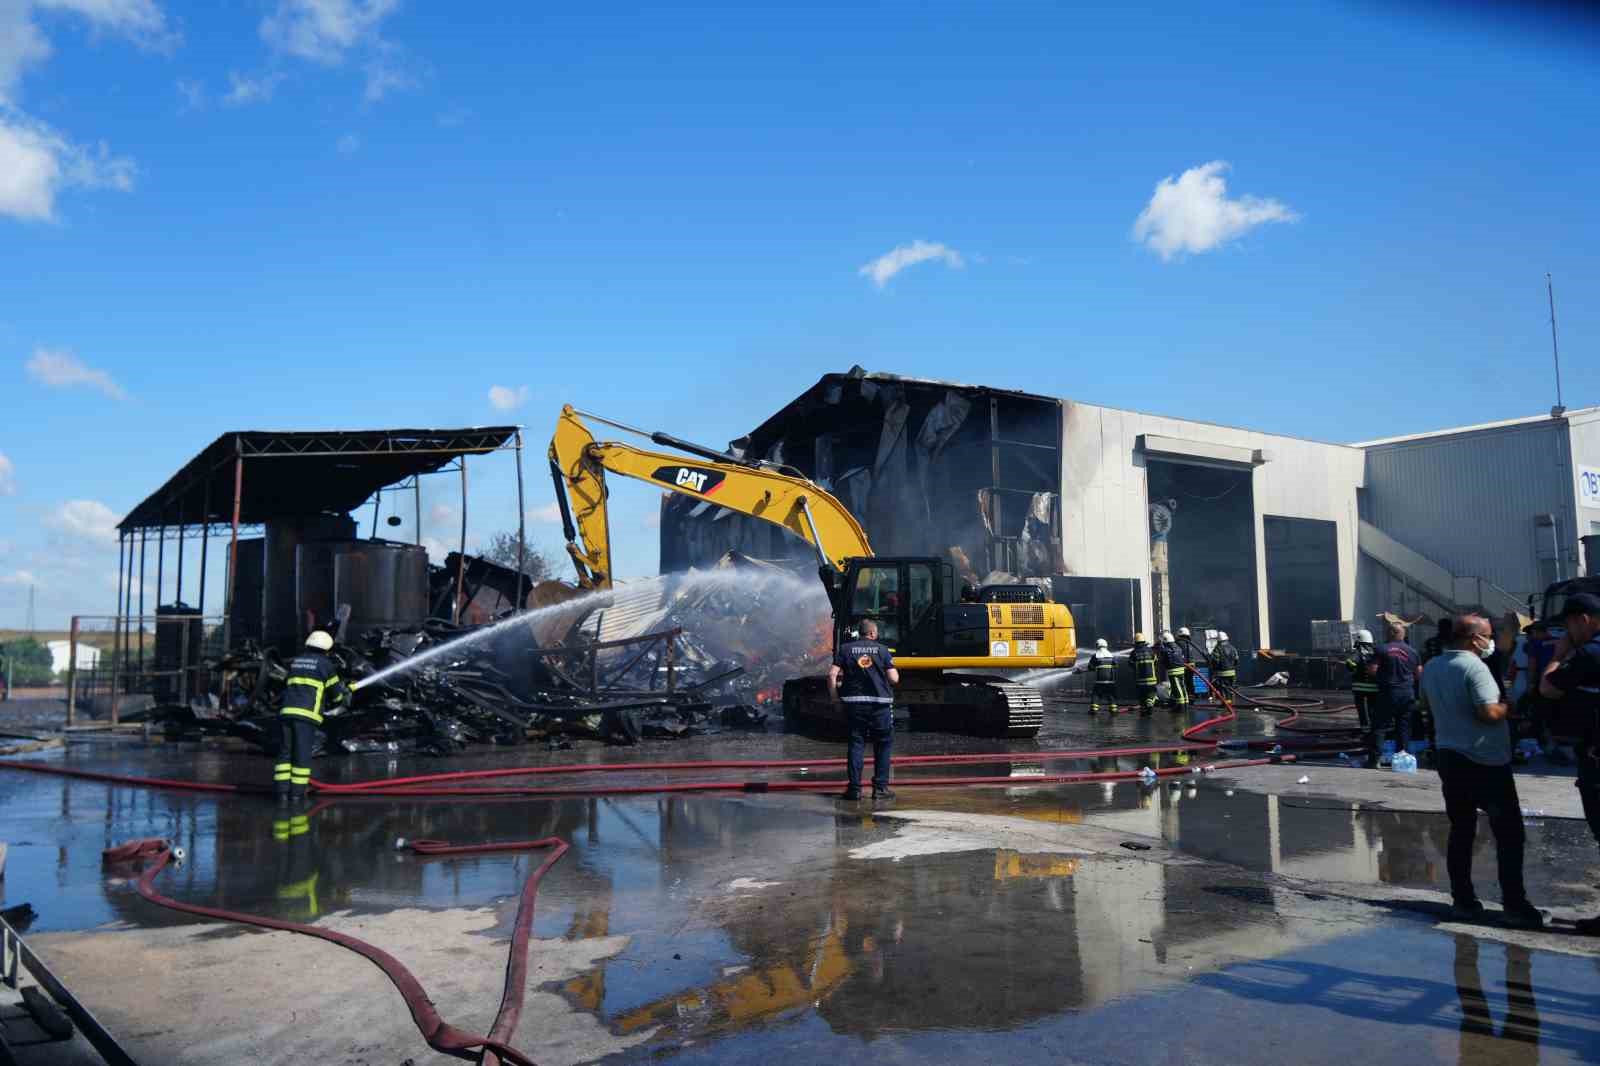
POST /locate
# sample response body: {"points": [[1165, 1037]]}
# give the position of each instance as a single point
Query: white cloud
{"points": [[1192, 213], [349, 144], [388, 72], [549, 514], [325, 31], [60, 369], [506, 398], [8, 476], [86, 520], [247, 90], [440, 513], [23, 44], [20, 578], [36, 163], [886, 266], [193, 93], [141, 21]]}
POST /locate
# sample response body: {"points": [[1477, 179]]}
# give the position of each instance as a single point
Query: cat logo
{"points": [[865, 662], [690, 479]]}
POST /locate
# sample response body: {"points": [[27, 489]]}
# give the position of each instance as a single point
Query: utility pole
{"points": [[1550, 290]]}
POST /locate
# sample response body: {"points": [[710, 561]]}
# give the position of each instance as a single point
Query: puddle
{"points": [[974, 925]]}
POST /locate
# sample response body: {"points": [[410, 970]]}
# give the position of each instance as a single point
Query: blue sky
{"points": [[325, 213]]}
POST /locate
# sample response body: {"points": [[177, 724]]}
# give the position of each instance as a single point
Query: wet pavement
{"points": [[954, 925]]}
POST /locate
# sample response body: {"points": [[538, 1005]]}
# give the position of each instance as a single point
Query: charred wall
{"points": [[928, 468]]}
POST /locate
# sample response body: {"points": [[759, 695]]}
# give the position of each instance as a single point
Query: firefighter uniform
{"points": [[1176, 667], [313, 687], [1363, 664], [1142, 661], [1103, 675], [1225, 662]]}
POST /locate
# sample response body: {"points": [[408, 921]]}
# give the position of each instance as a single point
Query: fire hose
{"points": [[494, 1048], [440, 1034]]}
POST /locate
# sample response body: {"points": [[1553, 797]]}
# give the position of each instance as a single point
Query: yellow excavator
{"points": [[946, 640]]}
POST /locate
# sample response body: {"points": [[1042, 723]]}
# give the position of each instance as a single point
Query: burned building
{"points": [[1135, 520], [927, 468]]}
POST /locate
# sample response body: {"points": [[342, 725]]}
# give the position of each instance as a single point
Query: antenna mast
{"points": [[1559, 409]]}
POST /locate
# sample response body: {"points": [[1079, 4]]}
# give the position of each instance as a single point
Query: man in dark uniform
{"points": [[1142, 662], [1103, 676], [863, 677], [1225, 663], [1176, 669], [313, 687], [1397, 676], [1363, 665], [1573, 677]]}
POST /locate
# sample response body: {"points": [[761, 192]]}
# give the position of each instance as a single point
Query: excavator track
{"points": [[1022, 710], [965, 704]]}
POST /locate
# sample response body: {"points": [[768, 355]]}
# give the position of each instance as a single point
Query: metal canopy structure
{"points": [[291, 474], [307, 473]]}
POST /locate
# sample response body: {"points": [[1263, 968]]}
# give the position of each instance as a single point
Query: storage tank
{"points": [[385, 584]]}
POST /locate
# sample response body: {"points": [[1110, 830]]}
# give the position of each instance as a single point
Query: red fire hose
{"points": [[495, 1048], [440, 1034]]}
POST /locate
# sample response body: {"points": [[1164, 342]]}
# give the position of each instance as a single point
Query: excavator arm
{"points": [[579, 465]]}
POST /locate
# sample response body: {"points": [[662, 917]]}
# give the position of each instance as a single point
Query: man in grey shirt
{"points": [[1474, 745]]}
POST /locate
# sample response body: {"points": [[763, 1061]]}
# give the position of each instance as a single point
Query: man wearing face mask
{"points": [[1573, 676], [1474, 745]]}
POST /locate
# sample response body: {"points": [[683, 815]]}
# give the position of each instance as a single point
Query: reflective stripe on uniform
{"points": [[865, 699]]}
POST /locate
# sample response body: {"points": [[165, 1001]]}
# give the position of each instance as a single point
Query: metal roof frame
{"points": [[202, 491]]}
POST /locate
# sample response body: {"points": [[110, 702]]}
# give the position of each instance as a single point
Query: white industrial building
{"points": [[61, 656], [1489, 514], [1264, 533]]}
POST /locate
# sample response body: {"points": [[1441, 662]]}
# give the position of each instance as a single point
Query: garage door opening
{"points": [[1302, 578], [1210, 547]]}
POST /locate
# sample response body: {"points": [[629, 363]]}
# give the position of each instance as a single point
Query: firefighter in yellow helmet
{"points": [[1103, 678], [312, 688], [1142, 661]]}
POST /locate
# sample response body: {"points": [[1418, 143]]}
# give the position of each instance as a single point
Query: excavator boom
{"points": [[579, 465]]}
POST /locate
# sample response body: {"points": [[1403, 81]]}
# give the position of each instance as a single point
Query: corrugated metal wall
{"points": [[1469, 502]]}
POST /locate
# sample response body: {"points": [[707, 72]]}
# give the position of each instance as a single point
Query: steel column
{"points": [[522, 528], [461, 557], [233, 550]]}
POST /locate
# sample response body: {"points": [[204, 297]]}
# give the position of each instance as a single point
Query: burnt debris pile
{"points": [[678, 655]]}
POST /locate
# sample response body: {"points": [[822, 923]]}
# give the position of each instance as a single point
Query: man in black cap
{"points": [[1573, 677], [863, 677]]}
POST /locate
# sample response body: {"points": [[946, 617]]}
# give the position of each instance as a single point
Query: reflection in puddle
{"points": [[748, 915]]}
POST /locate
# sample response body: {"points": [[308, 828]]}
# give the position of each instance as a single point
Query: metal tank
{"points": [[385, 584]]}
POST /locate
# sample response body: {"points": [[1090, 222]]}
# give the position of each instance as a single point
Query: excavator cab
{"points": [[907, 597]]}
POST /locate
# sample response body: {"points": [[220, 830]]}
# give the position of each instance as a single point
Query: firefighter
{"points": [[1103, 674], [1225, 662], [1192, 654], [1176, 669], [1143, 664], [313, 687], [1363, 664]]}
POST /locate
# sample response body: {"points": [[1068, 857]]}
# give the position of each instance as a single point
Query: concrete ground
{"points": [[1253, 915]]}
